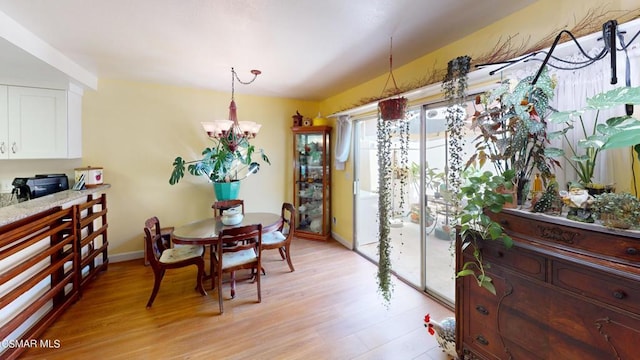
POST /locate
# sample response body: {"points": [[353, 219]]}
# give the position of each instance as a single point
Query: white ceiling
{"points": [[306, 49]]}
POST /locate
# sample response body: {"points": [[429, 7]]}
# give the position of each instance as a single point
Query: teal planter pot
{"points": [[226, 190]]}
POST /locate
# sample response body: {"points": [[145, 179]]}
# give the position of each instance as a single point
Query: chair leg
{"points": [[233, 284], [212, 265], [258, 281], [199, 286], [281, 250], [157, 279], [220, 299], [287, 250]]}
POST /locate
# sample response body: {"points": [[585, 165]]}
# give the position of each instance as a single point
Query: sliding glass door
{"points": [[421, 234]]}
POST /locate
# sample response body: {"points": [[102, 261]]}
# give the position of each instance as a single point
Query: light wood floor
{"points": [[328, 308]]}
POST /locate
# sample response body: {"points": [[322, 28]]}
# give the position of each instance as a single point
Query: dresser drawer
{"points": [[617, 291], [515, 258], [481, 315], [586, 238]]}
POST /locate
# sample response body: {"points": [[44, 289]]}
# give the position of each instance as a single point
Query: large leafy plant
{"points": [[512, 128], [220, 163], [615, 132]]}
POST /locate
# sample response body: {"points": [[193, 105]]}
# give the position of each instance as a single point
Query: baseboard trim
{"points": [[126, 256], [342, 241]]}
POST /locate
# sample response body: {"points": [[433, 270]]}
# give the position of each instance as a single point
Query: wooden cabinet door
{"points": [[37, 123]]}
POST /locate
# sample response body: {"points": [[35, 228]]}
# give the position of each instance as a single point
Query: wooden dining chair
{"points": [[161, 256], [238, 248], [222, 205], [281, 239]]}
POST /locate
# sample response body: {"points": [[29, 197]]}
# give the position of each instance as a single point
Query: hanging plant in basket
{"points": [[393, 109], [454, 87], [392, 124]]}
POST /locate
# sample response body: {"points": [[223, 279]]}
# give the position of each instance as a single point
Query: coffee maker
{"points": [[40, 185]]}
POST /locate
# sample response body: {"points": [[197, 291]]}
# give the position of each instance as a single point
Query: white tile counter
{"points": [[11, 213]]}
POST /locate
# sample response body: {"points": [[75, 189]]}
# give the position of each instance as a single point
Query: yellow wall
{"points": [[532, 23], [135, 130]]}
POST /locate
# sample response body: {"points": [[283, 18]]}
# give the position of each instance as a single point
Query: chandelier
{"points": [[230, 131]]}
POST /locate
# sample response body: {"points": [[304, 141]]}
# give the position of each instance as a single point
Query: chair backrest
{"points": [[240, 238], [222, 205], [155, 242], [288, 213]]}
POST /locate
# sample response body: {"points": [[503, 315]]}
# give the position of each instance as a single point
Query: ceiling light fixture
{"points": [[232, 131]]}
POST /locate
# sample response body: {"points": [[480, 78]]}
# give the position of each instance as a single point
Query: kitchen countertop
{"points": [[11, 213]]}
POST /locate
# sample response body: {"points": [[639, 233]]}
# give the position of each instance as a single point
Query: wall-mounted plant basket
{"points": [[393, 109]]}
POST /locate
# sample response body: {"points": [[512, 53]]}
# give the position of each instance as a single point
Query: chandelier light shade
{"points": [[232, 131]]}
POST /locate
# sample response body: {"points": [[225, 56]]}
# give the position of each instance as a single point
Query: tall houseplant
{"points": [[615, 132], [512, 126], [221, 164]]}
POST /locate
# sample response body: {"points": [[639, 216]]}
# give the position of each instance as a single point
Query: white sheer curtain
{"points": [[343, 141], [572, 90]]}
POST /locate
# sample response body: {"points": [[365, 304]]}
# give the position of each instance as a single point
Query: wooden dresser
{"points": [[566, 290]]}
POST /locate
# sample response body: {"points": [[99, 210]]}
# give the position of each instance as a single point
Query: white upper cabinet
{"points": [[5, 146], [38, 123]]}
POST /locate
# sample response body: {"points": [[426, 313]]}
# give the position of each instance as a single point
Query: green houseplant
{"points": [[221, 164], [615, 132], [478, 195], [512, 137], [619, 210], [512, 126]]}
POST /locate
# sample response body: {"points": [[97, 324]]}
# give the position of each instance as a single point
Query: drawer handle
{"points": [[482, 310], [632, 251], [504, 222], [619, 294], [482, 340]]}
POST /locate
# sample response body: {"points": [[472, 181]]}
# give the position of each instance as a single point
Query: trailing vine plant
{"points": [[390, 170], [385, 208], [477, 190], [454, 86]]}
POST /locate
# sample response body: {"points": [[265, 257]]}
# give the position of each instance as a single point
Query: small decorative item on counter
{"points": [[537, 183], [578, 200], [232, 216], [297, 119], [92, 176], [319, 121], [550, 200]]}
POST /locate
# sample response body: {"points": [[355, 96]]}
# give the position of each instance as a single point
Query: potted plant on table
{"points": [[222, 164]]}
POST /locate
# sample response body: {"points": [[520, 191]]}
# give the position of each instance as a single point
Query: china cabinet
{"points": [[311, 179]]}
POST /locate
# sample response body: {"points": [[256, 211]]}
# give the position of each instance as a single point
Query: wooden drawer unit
{"points": [[620, 292], [564, 291], [515, 258], [591, 239]]}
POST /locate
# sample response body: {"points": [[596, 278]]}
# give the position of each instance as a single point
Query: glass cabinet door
{"points": [[312, 165]]}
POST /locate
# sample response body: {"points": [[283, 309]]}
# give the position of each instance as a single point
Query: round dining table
{"points": [[205, 231]]}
